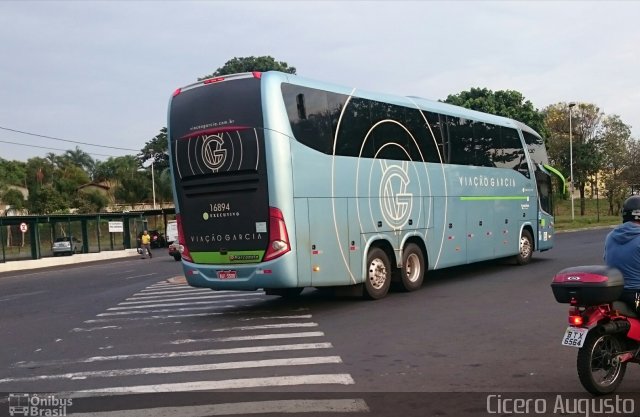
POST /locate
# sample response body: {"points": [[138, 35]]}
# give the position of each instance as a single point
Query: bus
{"points": [[282, 183]]}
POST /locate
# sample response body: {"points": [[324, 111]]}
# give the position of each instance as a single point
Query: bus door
{"points": [[545, 206]]}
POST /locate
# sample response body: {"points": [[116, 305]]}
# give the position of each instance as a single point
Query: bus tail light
{"points": [[278, 236], [184, 251]]}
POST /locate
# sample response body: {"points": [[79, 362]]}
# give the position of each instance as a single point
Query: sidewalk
{"points": [[65, 260]]}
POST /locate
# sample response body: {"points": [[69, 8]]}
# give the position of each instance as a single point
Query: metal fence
{"points": [[32, 237]]}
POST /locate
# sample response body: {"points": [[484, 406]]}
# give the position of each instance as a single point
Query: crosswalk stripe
{"points": [[298, 406], [191, 297], [218, 313], [165, 310], [275, 381], [170, 295], [254, 337], [177, 304], [173, 292], [314, 360], [300, 316], [257, 327], [196, 353]]}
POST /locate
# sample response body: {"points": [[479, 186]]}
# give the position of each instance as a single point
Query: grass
{"points": [[591, 217]]}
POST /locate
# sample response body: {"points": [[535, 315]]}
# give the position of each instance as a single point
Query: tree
{"points": [[163, 186], [615, 139], [81, 159], [91, 202], [12, 173], [586, 136], [111, 171], [156, 149], [46, 199], [133, 189], [507, 103], [632, 171], [251, 63], [14, 198]]}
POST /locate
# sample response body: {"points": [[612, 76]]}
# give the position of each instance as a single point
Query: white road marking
{"points": [[172, 316], [92, 329], [141, 276], [277, 407], [24, 294], [120, 272], [301, 316], [314, 360], [196, 353], [174, 304], [258, 327], [169, 293], [190, 297], [254, 337], [164, 310], [276, 381]]}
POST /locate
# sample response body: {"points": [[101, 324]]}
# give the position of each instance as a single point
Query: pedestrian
{"points": [[145, 243]]}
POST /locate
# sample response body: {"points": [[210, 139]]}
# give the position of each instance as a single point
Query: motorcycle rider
{"points": [[622, 251]]}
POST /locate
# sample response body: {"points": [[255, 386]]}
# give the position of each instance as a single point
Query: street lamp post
{"points": [[153, 181], [571, 159]]}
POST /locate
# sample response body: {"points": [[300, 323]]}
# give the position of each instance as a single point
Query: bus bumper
{"points": [[279, 273]]}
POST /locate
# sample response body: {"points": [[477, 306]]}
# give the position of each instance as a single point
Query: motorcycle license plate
{"points": [[574, 336]]}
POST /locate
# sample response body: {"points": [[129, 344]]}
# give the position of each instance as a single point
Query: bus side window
{"points": [[512, 154], [461, 141], [485, 143]]}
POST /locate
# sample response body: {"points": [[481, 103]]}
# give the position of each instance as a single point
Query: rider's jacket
{"points": [[622, 251]]}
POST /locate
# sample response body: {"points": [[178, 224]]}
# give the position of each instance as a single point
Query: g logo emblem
{"points": [[213, 155], [395, 201]]}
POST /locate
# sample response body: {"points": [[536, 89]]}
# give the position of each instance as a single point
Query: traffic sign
{"points": [[23, 227]]}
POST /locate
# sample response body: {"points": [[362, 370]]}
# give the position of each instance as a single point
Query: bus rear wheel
{"points": [[412, 267], [378, 277]]}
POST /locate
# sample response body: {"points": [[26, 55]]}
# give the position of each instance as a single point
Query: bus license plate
{"points": [[227, 274], [574, 336]]}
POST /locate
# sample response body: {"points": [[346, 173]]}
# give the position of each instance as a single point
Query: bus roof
{"points": [[408, 101]]}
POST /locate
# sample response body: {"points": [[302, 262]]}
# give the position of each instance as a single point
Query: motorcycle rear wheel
{"points": [[599, 373]]}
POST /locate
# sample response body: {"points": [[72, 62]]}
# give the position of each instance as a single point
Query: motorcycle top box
{"points": [[588, 285]]}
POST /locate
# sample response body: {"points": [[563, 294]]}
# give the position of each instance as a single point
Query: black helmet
{"points": [[631, 209]]}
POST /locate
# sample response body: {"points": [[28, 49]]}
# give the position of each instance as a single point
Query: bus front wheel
{"points": [[378, 278], [525, 248]]}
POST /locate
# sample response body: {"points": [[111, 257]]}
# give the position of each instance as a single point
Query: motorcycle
{"points": [[605, 331]]}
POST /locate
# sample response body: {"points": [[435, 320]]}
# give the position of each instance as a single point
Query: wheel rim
{"points": [[525, 247], [604, 367], [412, 268], [377, 273]]}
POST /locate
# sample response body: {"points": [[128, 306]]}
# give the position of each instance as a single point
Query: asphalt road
{"points": [[108, 329]]}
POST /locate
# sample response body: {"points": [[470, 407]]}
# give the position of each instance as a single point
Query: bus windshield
{"points": [[217, 148]]}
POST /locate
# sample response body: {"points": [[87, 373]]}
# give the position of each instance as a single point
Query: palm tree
{"points": [[80, 158]]}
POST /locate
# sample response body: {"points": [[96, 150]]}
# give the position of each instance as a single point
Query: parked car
{"points": [[173, 251], [66, 245]]}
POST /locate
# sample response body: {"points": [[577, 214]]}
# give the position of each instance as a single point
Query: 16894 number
{"points": [[218, 207]]}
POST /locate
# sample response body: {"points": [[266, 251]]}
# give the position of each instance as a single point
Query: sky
{"points": [[102, 72]]}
